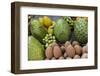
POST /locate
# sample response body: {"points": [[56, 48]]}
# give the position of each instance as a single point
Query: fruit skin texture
{"points": [[70, 51], [35, 49], [62, 30], [49, 52], [78, 49], [37, 30], [85, 49], [81, 29], [57, 52]]}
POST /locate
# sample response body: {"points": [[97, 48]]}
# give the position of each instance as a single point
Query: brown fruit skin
{"points": [[68, 58], [67, 44], [57, 51], [62, 49], [85, 49], [53, 58], [53, 44], [78, 49], [85, 55], [75, 43], [70, 51], [76, 57], [60, 58], [65, 55], [49, 52]]}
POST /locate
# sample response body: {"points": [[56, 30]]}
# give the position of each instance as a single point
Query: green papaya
{"points": [[35, 49], [62, 30], [37, 30]]}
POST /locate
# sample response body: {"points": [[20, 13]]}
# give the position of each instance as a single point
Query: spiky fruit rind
{"points": [[81, 30]]}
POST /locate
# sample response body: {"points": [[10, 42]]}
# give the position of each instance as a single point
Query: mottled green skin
{"points": [[37, 30], [62, 30], [81, 30], [35, 49]]}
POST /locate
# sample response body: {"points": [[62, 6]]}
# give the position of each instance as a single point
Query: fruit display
{"points": [[57, 37]]}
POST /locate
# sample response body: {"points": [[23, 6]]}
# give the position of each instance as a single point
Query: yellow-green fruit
{"points": [[41, 20], [47, 21], [50, 29], [35, 49]]}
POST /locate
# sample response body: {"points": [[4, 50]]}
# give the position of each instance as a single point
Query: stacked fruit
{"points": [[48, 39], [61, 38], [66, 51]]}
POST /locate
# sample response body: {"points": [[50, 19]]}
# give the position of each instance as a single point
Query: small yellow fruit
{"points": [[47, 21], [53, 23], [50, 29]]}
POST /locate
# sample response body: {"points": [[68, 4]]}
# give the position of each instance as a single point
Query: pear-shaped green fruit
{"points": [[37, 30], [35, 49]]}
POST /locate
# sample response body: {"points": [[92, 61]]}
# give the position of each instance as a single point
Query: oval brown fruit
{"points": [[85, 49], [67, 43], [70, 51], [49, 52], [62, 49], [85, 55], [57, 52], [75, 43], [78, 49], [76, 57], [65, 55], [60, 58]]}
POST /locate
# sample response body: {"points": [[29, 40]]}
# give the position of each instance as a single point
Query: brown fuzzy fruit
{"points": [[85, 49], [68, 58], [75, 43], [65, 55], [67, 44], [53, 58], [53, 44], [85, 55], [62, 49], [61, 57], [76, 57], [57, 52], [49, 52], [70, 51], [78, 49]]}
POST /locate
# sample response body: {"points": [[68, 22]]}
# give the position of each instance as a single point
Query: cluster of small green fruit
{"points": [[48, 39]]}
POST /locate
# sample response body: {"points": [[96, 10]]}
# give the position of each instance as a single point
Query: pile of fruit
{"points": [[57, 37], [66, 51]]}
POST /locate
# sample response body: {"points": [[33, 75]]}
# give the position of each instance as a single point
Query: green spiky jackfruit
{"points": [[35, 49], [62, 30]]}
